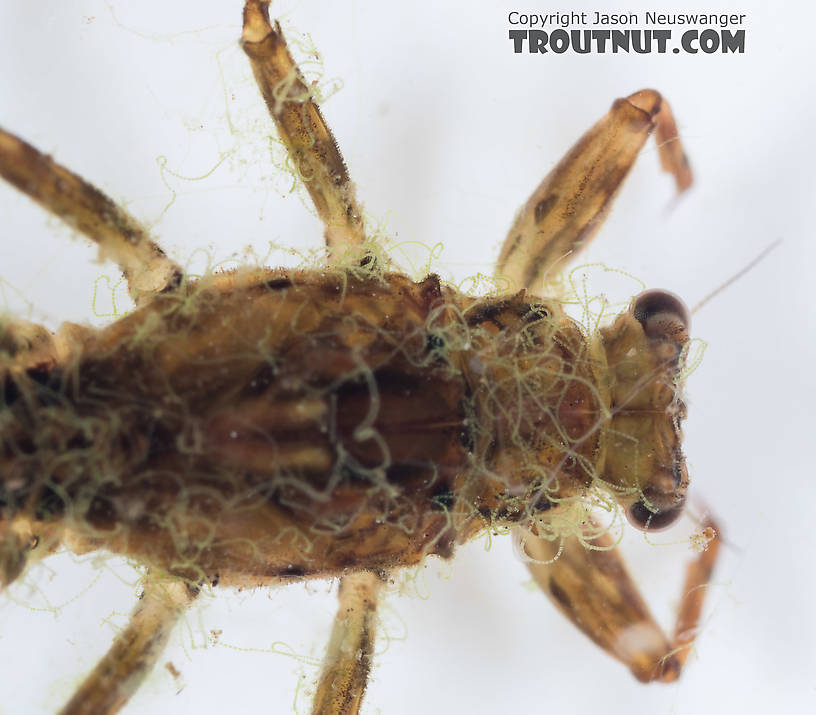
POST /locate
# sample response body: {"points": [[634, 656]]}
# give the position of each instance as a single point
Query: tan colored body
{"points": [[272, 424], [263, 425]]}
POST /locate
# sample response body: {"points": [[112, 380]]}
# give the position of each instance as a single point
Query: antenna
{"points": [[739, 274]]}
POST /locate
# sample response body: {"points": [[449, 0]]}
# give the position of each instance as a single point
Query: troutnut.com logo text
{"points": [[642, 33]]}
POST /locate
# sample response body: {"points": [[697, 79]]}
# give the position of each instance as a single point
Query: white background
{"points": [[446, 132]]}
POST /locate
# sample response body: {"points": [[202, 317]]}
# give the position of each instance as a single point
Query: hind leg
{"points": [[85, 208], [134, 652], [348, 658]]}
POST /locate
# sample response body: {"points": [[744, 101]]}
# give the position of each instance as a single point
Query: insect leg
{"points": [[351, 647], [568, 207], [592, 587], [86, 209], [134, 651], [303, 130]]}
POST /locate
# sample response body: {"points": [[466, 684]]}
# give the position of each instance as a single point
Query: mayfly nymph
{"points": [[267, 425]]}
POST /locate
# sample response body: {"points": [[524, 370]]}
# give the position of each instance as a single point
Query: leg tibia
{"points": [[134, 651], [592, 588], [351, 647], [303, 130]]}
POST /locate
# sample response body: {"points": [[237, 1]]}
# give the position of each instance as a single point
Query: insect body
{"points": [[263, 425]]}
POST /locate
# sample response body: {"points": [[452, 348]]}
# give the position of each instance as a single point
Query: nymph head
{"points": [[644, 350]]}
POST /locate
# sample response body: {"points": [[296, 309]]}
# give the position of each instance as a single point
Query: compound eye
{"points": [[663, 315], [642, 517]]}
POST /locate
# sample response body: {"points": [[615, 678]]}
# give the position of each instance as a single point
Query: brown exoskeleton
{"points": [[261, 426]]}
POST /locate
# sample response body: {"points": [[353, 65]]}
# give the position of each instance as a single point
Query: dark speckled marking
{"points": [[537, 311], [279, 283], [542, 208], [560, 595], [446, 545], [513, 247], [50, 505], [369, 261], [543, 503], [261, 381], [442, 498], [430, 289], [101, 514], [39, 373], [487, 311], [467, 438], [435, 345], [293, 571]]}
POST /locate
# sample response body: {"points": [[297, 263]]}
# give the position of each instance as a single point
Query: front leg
{"points": [[591, 586], [570, 204]]}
